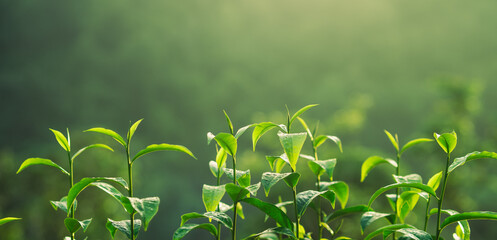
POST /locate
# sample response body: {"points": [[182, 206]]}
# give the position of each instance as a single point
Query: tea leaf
{"points": [[393, 227], [262, 128], [321, 166], [215, 170], [219, 217], [123, 226], [292, 180], [221, 157], [299, 112], [163, 147], [278, 231], [311, 136], [62, 204], [236, 192], [8, 219], [406, 203], [40, 161], [393, 140], [146, 207], [85, 182], [269, 179], [306, 197], [347, 211], [322, 138], [116, 194], [73, 225], [434, 181], [272, 211], [372, 162], [230, 125], [61, 140], [415, 142], [292, 145], [98, 145], [132, 129], [411, 178], [369, 217], [181, 232], [419, 186], [277, 163], [464, 229], [227, 142], [471, 156], [242, 130], [341, 189], [243, 177], [210, 137], [482, 215], [447, 141], [110, 133], [414, 234], [211, 196]]}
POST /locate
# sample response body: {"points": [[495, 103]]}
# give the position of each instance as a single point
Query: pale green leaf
{"points": [[116, 194], [261, 129], [227, 142], [242, 177], [434, 181], [8, 219], [211, 196], [299, 112], [163, 147], [369, 217], [305, 198], [321, 166], [306, 128], [393, 227], [132, 129], [182, 231], [242, 130], [217, 216], [322, 138], [123, 226], [372, 162], [414, 142], [146, 207], [341, 189], [276, 231], [393, 140], [98, 145], [479, 215], [40, 161], [469, 157], [292, 145], [110, 133], [61, 139], [85, 182], [447, 141], [419, 186]]}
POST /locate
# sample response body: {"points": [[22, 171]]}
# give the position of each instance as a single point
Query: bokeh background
{"points": [[412, 67]]}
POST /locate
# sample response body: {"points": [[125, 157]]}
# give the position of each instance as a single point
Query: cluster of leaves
{"points": [[145, 207]]}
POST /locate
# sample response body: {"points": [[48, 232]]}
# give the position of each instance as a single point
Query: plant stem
{"points": [[71, 183], [427, 217], [318, 205], [442, 194], [130, 193], [297, 219], [235, 203], [218, 209], [398, 191]]}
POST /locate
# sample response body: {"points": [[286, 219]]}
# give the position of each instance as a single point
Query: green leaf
{"points": [[221, 157], [482, 215], [347, 211], [372, 162], [394, 141], [62, 204], [393, 227], [321, 166], [269, 179], [292, 145], [116, 194], [415, 234], [419, 186], [414, 142], [163, 147], [61, 140], [181, 232], [306, 197], [341, 189], [411, 178], [146, 207], [464, 229], [230, 125], [369, 217], [211, 196], [278, 231], [272, 211], [299, 112], [85, 182], [73, 225], [132, 129], [471, 156], [447, 141], [214, 169], [306, 128], [210, 137], [243, 177], [40, 161], [242, 130], [98, 145], [434, 181], [328, 228], [277, 162], [392, 200], [261, 129], [406, 203], [321, 139], [110, 133], [292, 180], [8, 219], [227, 142], [217, 216], [237, 192], [123, 226]]}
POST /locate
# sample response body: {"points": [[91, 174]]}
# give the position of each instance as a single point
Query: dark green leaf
{"points": [[419, 186], [372, 162], [85, 182], [414, 142], [262, 128], [123, 226], [321, 139], [347, 211], [272, 211], [146, 207], [132, 129], [369, 217], [184, 230], [217, 216], [40, 161], [211, 196], [163, 147], [110, 133], [393, 227], [447, 141], [278, 231], [299, 112], [292, 145], [394, 141], [98, 145], [341, 189], [8, 219], [227, 142], [61, 140], [321, 166], [73, 225], [243, 177], [116, 194], [471, 156], [292, 180], [306, 197]]}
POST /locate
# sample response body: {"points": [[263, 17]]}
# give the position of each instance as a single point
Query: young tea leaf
{"points": [[347, 211], [242, 130], [123, 226], [269, 179], [62, 204], [243, 177], [116, 194], [163, 147], [372, 162], [221, 157], [299, 112], [306, 197], [341, 189], [311, 136], [8, 219], [419, 186], [132, 129], [211, 196], [217, 216], [321, 166], [447, 141], [272, 211], [181, 232], [321, 139], [414, 234], [276, 231], [469, 157], [369, 217], [73, 225], [85, 182], [393, 227], [277, 162], [414, 142], [98, 145], [61, 140], [393, 140], [230, 125], [40, 161], [146, 207], [292, 145], [227, 142], [262, 128], [110, 133], [434, 181], [482, 215], [406, 203]]}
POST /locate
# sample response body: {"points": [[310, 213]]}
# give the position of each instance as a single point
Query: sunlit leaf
{"points": [[227, 142], [321, 166], [419, 186], [292, 145], [210, 137], [110, 133], [146, 207], [464, 229], [369, 217], [341, 190], [61, 140], [269, 179], [40, 161], [469, 157], [372, 162], [217, 216], [62, 204], [415, 234], [434, 181], [393, 227], [261, 129], [278, 231], [85, 182], [98, 145], [447, 141], [322, 138], [414, 142], [116, 194], [243, 177], [8, 219], [311, 136], [242, 130], [299, 112], [123, 226], [181, 232], [394, 141], [237, 192], [163, 147], [479, 215], [347, 211], [132, 129], [211, 196], [272, 211], [406, 203], [305, 198], [277, 162]]}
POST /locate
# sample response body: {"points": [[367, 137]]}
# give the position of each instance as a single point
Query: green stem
{"points": [[130, 193], [235, 202], [427, 217], [218, 209], [398, 191], [297, 219], [442, 194], [318, 205], [71, 184]]}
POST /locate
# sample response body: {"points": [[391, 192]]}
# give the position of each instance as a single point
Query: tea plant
{"points": [[71, 223], [8, 219]]}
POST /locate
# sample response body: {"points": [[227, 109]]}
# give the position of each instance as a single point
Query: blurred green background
{"points": [[412, 67]]}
